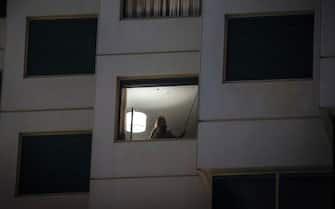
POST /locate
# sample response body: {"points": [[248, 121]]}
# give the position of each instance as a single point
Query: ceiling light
{"points": [[139, 120]]}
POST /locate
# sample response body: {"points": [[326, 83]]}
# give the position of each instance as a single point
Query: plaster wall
{"points": [[327, 82], [327, 60], [44, 92], [165, 193], [274, 123], [11, 125], [145, 35], [2, 41], [144, 158]]}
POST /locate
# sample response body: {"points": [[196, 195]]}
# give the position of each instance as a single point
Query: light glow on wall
{"points": [[139, 122]]}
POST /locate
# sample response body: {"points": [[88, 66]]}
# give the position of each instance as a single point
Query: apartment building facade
{"points": [[260, 127]]}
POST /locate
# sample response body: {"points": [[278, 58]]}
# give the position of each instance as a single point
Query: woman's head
{"points": [[160, 122]]}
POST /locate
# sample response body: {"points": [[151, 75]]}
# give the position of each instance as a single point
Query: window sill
{"points": [[58, 76], [52, 195], [268, 81], [154, 140]]}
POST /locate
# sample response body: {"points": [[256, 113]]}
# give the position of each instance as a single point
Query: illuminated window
{"points": [[152, 109]]}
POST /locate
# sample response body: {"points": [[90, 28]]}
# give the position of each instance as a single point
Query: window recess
{"points": [[269, 47], [244, 191], [54, 163], [3, 8], [161, 8], [153, 109], [61, 45]]}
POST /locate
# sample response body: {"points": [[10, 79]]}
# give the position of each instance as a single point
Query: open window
{"points": [[152, 109]]}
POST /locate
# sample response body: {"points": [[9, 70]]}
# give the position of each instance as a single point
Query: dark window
{"points": [[307, 191], [157, 108], [269, 47], [54, 163], [244, 192], [61, 46], [3, 8], [160, 8]]}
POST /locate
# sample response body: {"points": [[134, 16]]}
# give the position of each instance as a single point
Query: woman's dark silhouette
{"points": [[160, 129]]}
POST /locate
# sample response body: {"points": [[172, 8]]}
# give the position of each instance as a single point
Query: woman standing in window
{"points": [[160, 129]]}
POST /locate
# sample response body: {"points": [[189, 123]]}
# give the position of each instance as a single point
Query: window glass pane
{"points": [[3, 7], [145, 111], [55, 163], [269, 47], [306, 191], [244, 192], [61, 46]]}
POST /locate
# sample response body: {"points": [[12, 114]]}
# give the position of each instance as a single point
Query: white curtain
{"points": [[161, 8]]}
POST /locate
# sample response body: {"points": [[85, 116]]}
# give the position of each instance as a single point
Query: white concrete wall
{"points": [[124, 158], [2, 32], [327, 82], [250, 99], [2, 53], [19, 95], [225, 138], [138, 159], [148, 193], [327, 28], [141, 174], [2, 41], [42, 92], [264, 143], [327, 60], [145, 35], [11, 124], [157, 174]]}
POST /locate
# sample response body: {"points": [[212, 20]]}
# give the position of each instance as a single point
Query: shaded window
{"points": [[61, 46], [306, 191], [157, 108], [269, 47], [161, 8], [244, 192], [54, 163]]}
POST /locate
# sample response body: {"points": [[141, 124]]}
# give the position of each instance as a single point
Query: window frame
{"points": [[148, 81], [277, 171], [229, 16], [29, 19], [17, 192]]}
